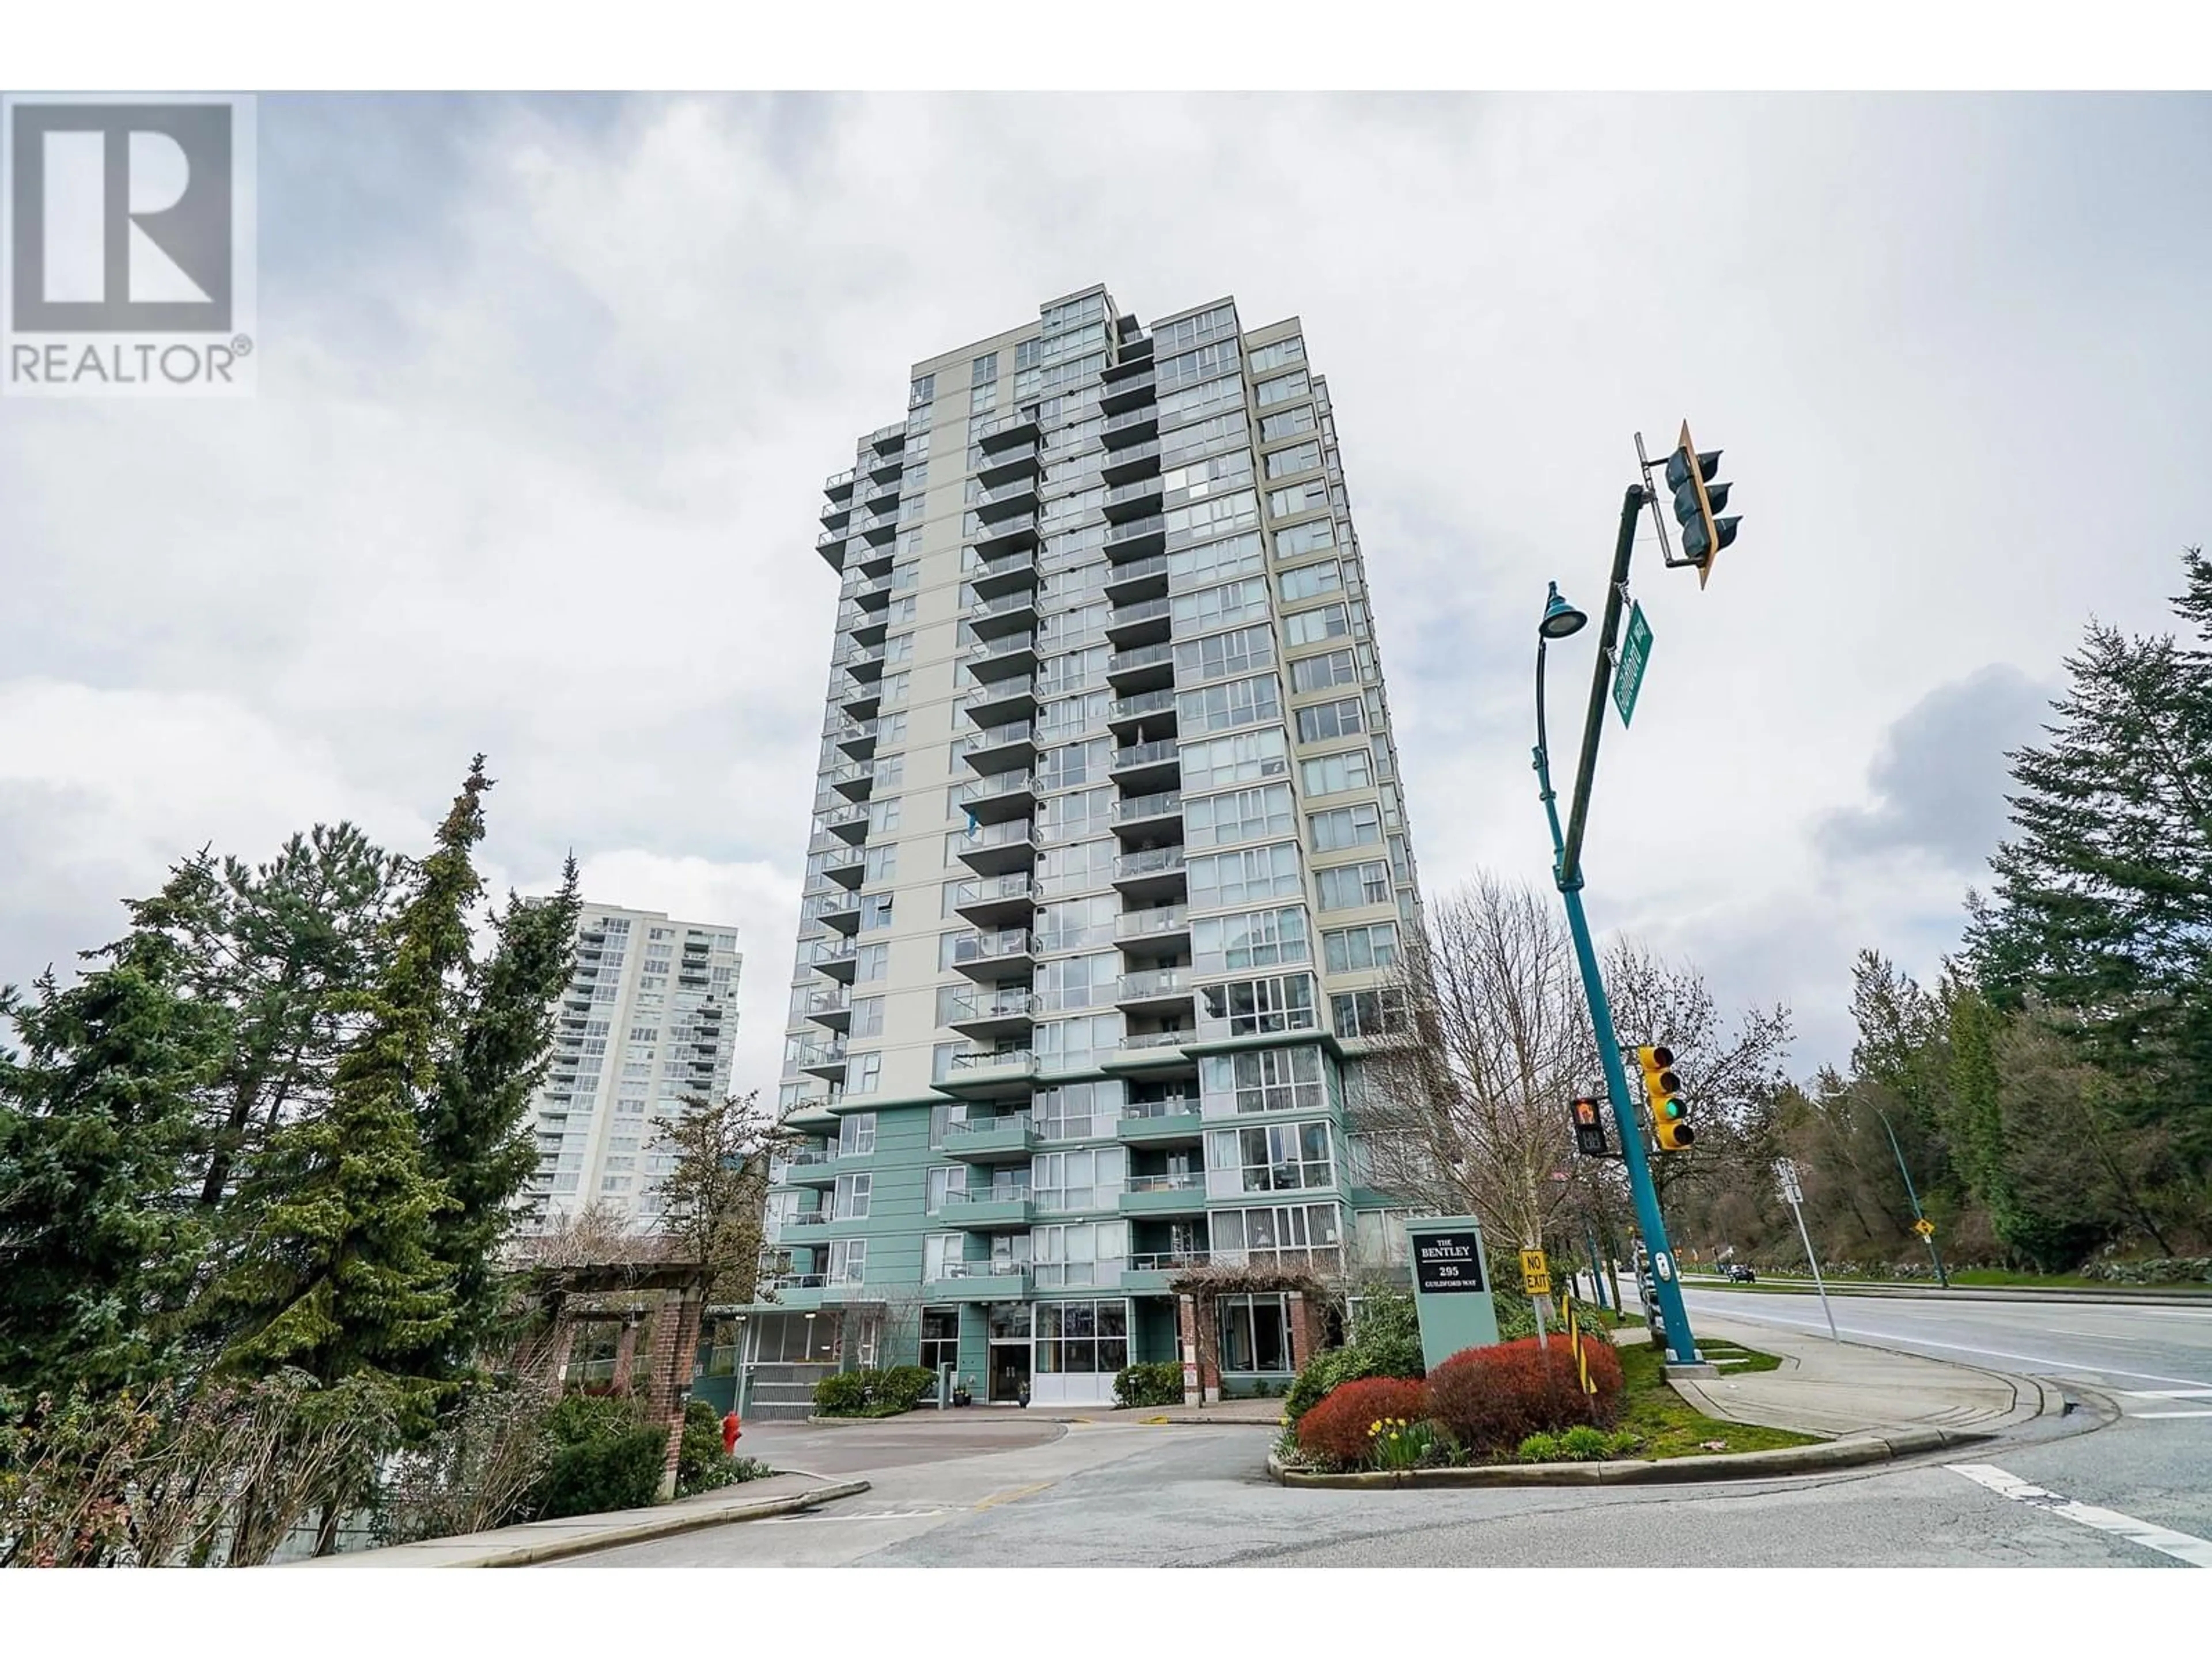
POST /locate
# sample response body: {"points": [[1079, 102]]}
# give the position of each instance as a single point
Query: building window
{"points": [[1263, 1080], [921, 391], [1288, 423], [871, 963], [1292, 1236], [1089, 1337], [1367, 1013], [1222, 880], [1343, 719], [1235, 702], [1245, 600], [1355, 949], [850, 1199], [940, 1335], [1300, 458], [1345, 826], [1239, 652], [856, 1134], [1217, 561], [848, 1261], [1241, 815], [1332, 774], [864, 1076], [1255, 1007], [867, 1016], [1349, 886], [1251, 938], [1242, 758], [1299, 539], [1307, 581], [1267, 358], [1319, 673], [1080, 1253], [1255, 1333], [1089, 1180], [1280, 389], [1267, 1158]]}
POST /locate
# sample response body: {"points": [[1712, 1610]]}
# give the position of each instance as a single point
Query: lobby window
{"points": [[1255, 1333]]}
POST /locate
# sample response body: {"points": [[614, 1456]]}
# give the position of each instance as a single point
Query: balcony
{"points": [[832, 551], [1154, 708], [837, 957], [1001, 1074], [870, 560], [1130, 461], [824, 1060], [1007, 613], [1136, 499], [808, 1169], [1137, 538], [1139, 579], [880, 462], [1154, 991], [1000, 702], [1016, 426], [997, 796], [997, 849], [1013, 744], [997, 902], [862, 662], [1150, 767], [997, 659], [1143, 623], [1156, 1270], [838, 483], [863, 626], [876, 526], [1164, 1194], [831, 1008], [1146, 668], [1147, 815], [1174, 1123], [837, 513], [1131, 426], [1003, 535], [841, 911], [987, 1019], [844, 864], [1153, 1051], [853, 781], [848, 824], [855, 738], [987, 1209], [867, 591], [1151, 872], [1009, 571], [1116, 396], [1017, 493], [993, 467], [994, 956], [1164, 927], [979, 1282], [796, 1291], [860, 699]]}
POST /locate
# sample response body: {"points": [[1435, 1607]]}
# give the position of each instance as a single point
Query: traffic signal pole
{"points": [[1681, 1347]]}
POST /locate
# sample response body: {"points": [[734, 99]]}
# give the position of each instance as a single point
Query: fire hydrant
{"points": [[730, 1430]]}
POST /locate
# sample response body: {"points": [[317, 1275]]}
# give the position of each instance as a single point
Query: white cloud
{"points": [[549, 388]]}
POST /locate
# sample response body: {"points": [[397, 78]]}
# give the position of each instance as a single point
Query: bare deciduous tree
{"points": [[715, 1198]]}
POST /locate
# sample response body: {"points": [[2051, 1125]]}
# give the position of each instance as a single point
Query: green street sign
{"points": [[1635, 654]]}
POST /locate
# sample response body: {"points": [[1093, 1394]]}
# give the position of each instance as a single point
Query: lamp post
{"points": [[1560, 621], [1943, 1279]]}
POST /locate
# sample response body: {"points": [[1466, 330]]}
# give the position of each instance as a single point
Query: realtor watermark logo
{"points": [[129, 265]]}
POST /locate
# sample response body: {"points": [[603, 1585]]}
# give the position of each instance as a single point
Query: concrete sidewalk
{"points": [[1222, 1413], [1843, 1389], [552, 1540]]}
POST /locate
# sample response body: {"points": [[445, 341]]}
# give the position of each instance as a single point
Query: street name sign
{"points": [[1635, 656]]}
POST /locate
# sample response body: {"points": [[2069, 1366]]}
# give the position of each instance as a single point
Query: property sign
{"points": [[1536, 1273], [1447, 1261], [1635, 654]]}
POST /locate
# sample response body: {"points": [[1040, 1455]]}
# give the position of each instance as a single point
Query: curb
{"points": [[1852, 1452], [2176, 1297], [528, 1554]]}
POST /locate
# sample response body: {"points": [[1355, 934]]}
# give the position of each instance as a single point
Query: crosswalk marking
{"points": [[2198, 1551]]}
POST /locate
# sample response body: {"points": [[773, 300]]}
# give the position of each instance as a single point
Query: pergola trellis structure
{"points": [[1198, 1291]]}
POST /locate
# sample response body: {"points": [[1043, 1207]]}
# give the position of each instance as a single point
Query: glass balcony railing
{"points": [[1139, 807], [1152, 861], [1146, 924]]}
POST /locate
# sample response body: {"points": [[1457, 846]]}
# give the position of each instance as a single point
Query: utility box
{"points": [[1451, 1286]]}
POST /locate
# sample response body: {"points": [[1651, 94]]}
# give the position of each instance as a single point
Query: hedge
{"points": [[1155, 1385], [1490, 1400], [1342, 1426]]}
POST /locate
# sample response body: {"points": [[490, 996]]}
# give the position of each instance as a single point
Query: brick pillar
{"points": [[1305, 1332], [674, 1351], [1200, 1344], [625, 1353]]}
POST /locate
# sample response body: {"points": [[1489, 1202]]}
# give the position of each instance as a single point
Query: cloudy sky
{"points": [[549, 387]]}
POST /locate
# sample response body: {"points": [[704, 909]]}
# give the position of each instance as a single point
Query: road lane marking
{"points": [[2167, 1394], [2198, 1551], [2137, 1416], [2087, 1366], [1009, 1496]]}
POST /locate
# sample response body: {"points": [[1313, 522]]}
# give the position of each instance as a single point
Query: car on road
{"points": [[1736, 1273]]}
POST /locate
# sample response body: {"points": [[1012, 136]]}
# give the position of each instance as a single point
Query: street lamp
{"points": [[1561, 620], [1928, 1237]]}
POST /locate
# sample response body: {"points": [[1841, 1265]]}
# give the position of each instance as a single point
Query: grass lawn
{"points": [[1666, 1424], [1733, 1358]]}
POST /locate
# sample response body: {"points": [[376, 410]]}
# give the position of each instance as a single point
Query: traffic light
{"points": [[1696, 499], [1670, 1124], [1590, 1128]]}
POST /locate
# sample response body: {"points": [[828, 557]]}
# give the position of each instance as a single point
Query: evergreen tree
{"points": [[2101, 919], [336, 1270], [99, 1235], [477, 1134], [281, 946]]}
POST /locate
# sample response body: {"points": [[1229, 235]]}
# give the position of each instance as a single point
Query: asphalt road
{"points": [[998, 1490]]}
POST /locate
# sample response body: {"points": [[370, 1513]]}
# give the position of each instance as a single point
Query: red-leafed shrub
{"points": [[1492, 1399], [1339, 1426]]}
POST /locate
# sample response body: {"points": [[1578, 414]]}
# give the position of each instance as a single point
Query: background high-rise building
{"points": [[649, 1017], [1108, 868]]}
